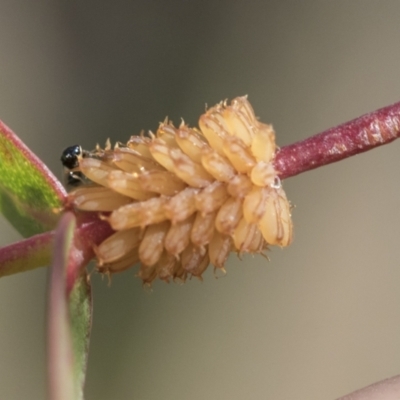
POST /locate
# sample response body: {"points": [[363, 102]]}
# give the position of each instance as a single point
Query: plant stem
{"points": [[361, 134], [91, 231]]}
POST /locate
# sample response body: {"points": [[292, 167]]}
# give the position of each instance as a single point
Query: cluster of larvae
{"points": [[183, 198]]}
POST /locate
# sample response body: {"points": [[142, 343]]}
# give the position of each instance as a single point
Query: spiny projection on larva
{"points": [[184, 197]]}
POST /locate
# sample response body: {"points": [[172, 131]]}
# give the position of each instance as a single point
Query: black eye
{"points": [[70, 156]]}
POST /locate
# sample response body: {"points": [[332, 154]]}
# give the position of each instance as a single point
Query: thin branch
{"points": [[361, 134], [26, 254], [91, 231], [36, 251]]}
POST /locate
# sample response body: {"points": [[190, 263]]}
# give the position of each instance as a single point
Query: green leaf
{"points": [[69, 316], [29, 193]]}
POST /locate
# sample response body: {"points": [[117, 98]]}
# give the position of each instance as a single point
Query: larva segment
{"points": [[120, 265], [238, 125], [178, 236], [180, 274], [191, 143], [140, 144], [263, 174], [97, 198], [132, 161], [160, 152], [218, 166], [213, 132], [95, 170], [167, 134], [258, 244], [263, 145], [192, 258], [219, 249], [147, 274], [201, 266], [216, 114], [152, 244], [255, 204], [246, 237], [242, 106], [190, 172], [239, 186], [128, 185], [203, 229], [182, 198], [238, 154], [166, 266], [229, 216], [118, 245], [276, 223], [181, 206], [138, 214], [161, 182], [211, 197]]}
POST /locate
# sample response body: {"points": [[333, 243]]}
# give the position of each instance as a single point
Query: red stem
{"points": [[91, 232], [36, 251], [345, 140]]}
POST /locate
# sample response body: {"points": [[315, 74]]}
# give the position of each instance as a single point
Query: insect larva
{"points": [[184, 197]]}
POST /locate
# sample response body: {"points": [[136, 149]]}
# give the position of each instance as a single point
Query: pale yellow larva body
{"points": [[184, 198]]}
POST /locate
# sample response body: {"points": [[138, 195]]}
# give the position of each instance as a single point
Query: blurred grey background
{"points": [[322, 318]]}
